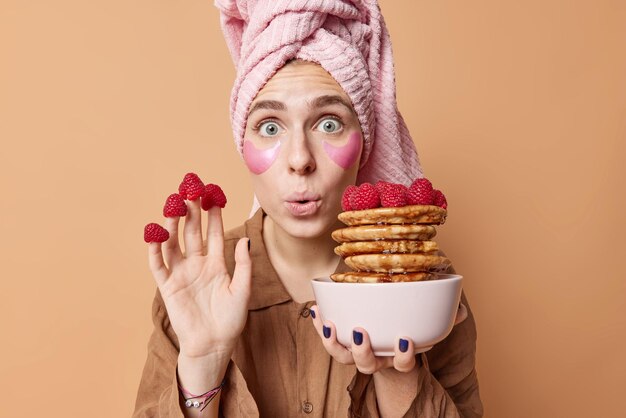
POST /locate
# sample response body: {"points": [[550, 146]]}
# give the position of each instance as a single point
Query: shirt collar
{"points": [[267, 289]]}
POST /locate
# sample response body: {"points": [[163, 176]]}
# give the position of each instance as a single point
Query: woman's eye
{"points": [[329, 125], [269, 129]]}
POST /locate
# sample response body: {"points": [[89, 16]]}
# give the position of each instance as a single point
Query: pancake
{"points": [[386, 247], [397, 263], [414, 214], [384, 232], [366, 277]]}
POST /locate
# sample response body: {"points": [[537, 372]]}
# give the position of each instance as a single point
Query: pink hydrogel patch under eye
{"points": [[259, 160], [346, 155]]}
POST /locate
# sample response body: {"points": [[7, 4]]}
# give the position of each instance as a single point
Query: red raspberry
{"points": [[380, 186], [182, 187], [155, 233], [174, 206], [345, 199], [191, 187], [393, 196], [420, 192], [365, 197], [213, 196], [439, 199]]}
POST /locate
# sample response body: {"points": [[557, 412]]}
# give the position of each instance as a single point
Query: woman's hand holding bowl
{"points": [[360, 352]]}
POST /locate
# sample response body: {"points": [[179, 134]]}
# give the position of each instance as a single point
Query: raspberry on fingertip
{"points": [[174, 206], [154, 232], [213, 196], [191, 188]]}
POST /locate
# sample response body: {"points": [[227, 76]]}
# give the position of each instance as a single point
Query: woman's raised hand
{"points": [[207, 309]]}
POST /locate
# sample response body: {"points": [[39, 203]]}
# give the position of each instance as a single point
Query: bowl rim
{"points": [[327, 281]]}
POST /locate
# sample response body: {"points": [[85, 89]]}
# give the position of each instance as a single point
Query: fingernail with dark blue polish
{"points": [[357, 337], [404, 345], [326, 331], [312, 313]]}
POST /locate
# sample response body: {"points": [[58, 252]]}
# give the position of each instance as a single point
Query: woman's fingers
{"points": [[363, 355], [326, 331], [241, 281], [192, 231], [157, 266], [461, 314], [215, 234], [404, 359], [171, 247]]}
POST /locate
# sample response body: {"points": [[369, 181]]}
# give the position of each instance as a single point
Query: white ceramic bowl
{"points": [[423, 311]]}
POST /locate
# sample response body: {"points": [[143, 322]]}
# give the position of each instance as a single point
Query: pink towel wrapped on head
{"points": [[349, 39]]}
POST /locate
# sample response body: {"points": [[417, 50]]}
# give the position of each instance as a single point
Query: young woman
{"points": [[236, 313]]}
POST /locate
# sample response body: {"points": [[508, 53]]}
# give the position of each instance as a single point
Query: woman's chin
{"points": [[307, 227]]}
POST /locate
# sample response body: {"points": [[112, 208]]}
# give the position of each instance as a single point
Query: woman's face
{"points": [[302, 145]]}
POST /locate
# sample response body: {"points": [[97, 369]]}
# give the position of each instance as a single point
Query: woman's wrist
{"points": [[198, 374], [217, 351], [396, 390]]}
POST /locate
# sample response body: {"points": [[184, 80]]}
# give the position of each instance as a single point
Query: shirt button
{"points": [[305, 313], [307, 407]]}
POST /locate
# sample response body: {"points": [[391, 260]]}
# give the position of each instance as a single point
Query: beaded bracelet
{"points": [[208, 396]]}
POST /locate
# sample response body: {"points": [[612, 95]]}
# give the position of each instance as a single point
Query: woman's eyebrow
{"points": [[318, 102], [267, 104], [330, 99]]}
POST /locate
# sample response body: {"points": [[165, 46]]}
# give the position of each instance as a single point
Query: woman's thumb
{"points": [[242, 276]]}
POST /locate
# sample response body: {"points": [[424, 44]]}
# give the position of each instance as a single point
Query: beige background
{"points": [[519, 113]]}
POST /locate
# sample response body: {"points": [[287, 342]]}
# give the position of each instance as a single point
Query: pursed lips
{"points": [[302, 197], [302, 204]]}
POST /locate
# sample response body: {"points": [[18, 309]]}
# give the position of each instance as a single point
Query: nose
{"points": [[300, 158]]}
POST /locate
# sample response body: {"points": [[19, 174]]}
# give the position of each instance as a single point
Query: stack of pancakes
{"points": [[391, 244]]}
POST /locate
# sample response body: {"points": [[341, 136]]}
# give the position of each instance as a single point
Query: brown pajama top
{"points": [[281, 369]]}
